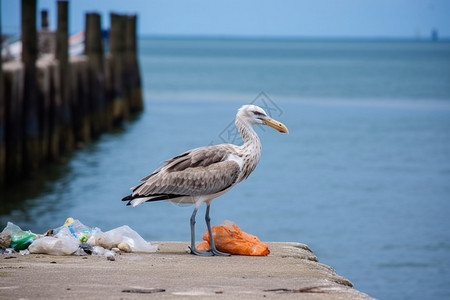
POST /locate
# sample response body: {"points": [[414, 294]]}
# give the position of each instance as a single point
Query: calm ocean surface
{"points": [[363, 177]]}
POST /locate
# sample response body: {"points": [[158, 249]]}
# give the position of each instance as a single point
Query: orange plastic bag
{"points": [[229, 238]]}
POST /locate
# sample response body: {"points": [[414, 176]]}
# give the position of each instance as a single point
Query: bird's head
{"points": [[256, 115]]}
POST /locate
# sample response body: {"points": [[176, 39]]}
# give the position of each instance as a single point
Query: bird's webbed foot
{"points": [[218, 253], [200, 253]]}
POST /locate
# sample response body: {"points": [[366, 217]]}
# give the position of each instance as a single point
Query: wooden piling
{"points": [[45, 66], [132, 74], [13, 91], [2, 117], [109, 91], [46, 38], [30, 127], [54, 152], [94, 51], [44, 19], [80, 91], [44, 80], [117, 47], [62, 55], [48, 104]]}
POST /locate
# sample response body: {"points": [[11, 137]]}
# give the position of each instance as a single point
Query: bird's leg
{"points": [[211, 239], [193, 249]]}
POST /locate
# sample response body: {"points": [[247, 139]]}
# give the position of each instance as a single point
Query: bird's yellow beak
{"points": [[275, 125]]}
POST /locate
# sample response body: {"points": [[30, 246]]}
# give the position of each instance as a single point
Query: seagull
{"points": [[200, 175]]}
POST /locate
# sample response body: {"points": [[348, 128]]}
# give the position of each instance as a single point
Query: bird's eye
{"points": [[258, 113]]}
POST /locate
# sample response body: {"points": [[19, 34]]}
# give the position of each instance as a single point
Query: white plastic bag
{"points": [[64, 243], [124, 234], [98, 251]]}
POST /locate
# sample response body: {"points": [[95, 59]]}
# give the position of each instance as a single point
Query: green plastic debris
{"points": [[20, 240]]}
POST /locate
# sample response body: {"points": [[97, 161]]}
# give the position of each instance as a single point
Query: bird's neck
{"points": [[251, 149], [248, 134]]}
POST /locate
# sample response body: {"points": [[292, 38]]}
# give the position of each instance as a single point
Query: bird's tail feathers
{"points": [[135, 201]]}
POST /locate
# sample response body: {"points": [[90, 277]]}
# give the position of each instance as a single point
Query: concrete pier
{"points": [[291, 271]]}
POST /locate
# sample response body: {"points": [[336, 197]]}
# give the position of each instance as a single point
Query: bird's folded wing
{"points": [[197, 180], [199, 157]]}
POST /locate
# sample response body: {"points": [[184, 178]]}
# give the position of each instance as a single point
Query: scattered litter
{"points": [[123, 247], [116, 238], [5, 240], [86, 248], [8, 251], [144, 291], [80, 252], [111, 258], [78, 229], [229, 238], [20, 240], [73, 238], [98, 251], [116, 250], [109, 253], [24, 252], [63, 243]]}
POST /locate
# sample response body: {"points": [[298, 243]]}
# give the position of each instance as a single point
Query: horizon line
{"points": [[283, 37], [291, 38]]}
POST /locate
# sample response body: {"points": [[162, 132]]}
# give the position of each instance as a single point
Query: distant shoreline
{"points": [[294, 39], [427, 39]]}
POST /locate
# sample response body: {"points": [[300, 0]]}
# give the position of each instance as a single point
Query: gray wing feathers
{"points": [[200, 171]]}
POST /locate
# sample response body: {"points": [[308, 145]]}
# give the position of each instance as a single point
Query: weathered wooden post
{"points": [[46, 45], [62, 54], [30, 101], [127, 76], [46, 103], [96, 75], [14, 91], [109, 90], [2, 118], [132, 75], [79, 92], [44, 19], [55, 109], [116, 38], [44, 70], [46, 38]]}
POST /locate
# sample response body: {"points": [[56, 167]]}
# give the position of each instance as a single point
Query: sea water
{"points": [[363, 177]]}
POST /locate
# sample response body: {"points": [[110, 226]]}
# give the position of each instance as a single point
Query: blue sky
{"points": [[262, 18]]}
